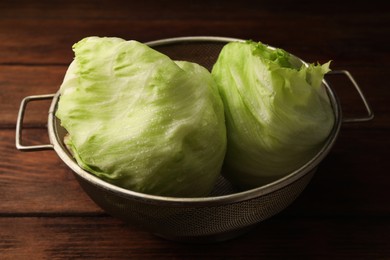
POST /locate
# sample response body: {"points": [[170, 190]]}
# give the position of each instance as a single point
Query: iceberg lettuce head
{"points": [[139, 120], [277, 111]]}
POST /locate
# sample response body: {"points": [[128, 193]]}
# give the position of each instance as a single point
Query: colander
{"points": [[226, 212]]}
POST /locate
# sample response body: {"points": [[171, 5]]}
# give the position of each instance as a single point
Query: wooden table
{"points": [[343, 214]]}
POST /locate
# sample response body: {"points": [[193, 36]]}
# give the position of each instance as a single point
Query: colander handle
{"points": [[370, 114], [19, 125]]}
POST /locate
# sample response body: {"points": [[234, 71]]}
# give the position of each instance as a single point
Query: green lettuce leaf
{"points": [[277, 111], [142, 121]]}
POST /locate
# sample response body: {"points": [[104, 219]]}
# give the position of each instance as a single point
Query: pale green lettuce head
{"points": [[277, 112], [141, 121]]}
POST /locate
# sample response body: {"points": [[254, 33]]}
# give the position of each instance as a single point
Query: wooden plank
{"points": [[43, 32], [151, 9], [352, 179], [38, 182], [17, 82], [107, 238], [343, 213], [344, 184]]}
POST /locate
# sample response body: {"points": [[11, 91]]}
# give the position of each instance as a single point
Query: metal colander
{"points": [[226, 212]]}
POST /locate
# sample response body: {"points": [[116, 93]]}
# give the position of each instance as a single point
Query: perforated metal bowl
{"points": [[225, 213]]}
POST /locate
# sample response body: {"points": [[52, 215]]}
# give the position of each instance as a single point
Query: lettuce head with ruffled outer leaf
{"points": [[277, 111], [139, 120]]}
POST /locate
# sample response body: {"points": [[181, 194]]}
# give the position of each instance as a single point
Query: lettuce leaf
{"points": [[277, 112], [142, 121]]}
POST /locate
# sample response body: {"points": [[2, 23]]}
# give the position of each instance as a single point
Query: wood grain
{"points": [[107, 238], [344, 213], [18, 82], [38, 183], [43, 177], [43, 32]]}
